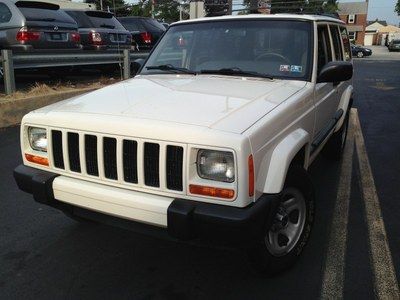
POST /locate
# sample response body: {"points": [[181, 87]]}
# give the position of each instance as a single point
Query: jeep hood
{"points": [[224, 103]]}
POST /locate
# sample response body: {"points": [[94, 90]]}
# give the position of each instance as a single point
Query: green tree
{"points": [[397, 7], [295, 6], [118, 7], [166, 10]]}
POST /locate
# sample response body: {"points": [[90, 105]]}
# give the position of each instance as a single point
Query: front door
{"points": [[326, 94]]}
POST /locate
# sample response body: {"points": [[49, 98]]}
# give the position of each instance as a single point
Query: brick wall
{"points": [[361, 20]]}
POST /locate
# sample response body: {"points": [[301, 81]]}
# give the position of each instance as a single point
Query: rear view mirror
{"points": [[137, 65], [336, 71]]}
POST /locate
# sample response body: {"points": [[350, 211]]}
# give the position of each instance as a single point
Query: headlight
{"points": [[216, 165], [37, 138]]}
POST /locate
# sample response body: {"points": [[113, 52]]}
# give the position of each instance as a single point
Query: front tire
{"points": [[284, 240]]}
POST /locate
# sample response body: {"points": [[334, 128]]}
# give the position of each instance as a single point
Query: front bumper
{"points": [[184, 219]]}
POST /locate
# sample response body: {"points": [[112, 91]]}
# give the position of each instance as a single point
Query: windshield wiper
{"points": [[236, 71], [172, 69], [107, 26], [42, 19]]}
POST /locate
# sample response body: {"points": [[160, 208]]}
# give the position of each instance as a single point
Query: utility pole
{"points": [[152, 8], [196, 9]]}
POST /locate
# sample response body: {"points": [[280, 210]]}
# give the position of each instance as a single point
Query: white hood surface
{"points": [[224, 103]]}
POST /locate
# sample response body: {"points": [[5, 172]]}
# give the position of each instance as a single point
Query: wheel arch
{"points": [[293, 149]]}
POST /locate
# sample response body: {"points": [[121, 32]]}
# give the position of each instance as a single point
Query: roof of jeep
{"points": [[262, 16]]}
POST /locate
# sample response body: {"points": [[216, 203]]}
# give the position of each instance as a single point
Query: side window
{"points": [[5, 13], [337, 45], [324, 47], [346, 43]]}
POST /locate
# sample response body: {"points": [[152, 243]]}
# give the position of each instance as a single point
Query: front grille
{"points": [[127, 161], [174, 167], [129, 156], [110, 158], [151, 164], [73, 152], [58, 154], [92, 167]]}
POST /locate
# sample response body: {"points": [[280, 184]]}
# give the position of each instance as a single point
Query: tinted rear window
{"points": [[132, 24], [94, 19], [153, 25], [104, 20], [43, 12]]}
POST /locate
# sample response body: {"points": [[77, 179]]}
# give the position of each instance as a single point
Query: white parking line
{"points": [[333, 277], [385, 282]]}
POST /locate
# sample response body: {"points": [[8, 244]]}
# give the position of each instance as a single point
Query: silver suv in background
{"points": [[100, 30], [30, 25]]}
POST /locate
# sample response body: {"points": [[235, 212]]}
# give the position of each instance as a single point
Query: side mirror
{"points": [[336, 71], [137, 65]]}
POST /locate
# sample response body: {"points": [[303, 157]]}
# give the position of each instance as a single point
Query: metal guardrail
{"points": [[10, 62]]}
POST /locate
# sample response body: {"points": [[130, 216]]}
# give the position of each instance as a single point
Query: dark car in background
{"points": [[360, 52], [394, 45], [145, 31], [30, 25], [100, 30]]}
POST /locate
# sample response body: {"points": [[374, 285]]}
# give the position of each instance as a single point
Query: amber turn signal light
{"points": [[37, 159], [211, 191]]}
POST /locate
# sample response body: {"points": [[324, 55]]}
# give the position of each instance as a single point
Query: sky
{"points": [[381, 9]]}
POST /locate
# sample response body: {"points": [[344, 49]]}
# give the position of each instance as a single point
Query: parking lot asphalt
{"points": [[45, 255]]}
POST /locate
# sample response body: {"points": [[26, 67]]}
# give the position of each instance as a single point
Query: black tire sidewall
{"points": [[261, 258]]}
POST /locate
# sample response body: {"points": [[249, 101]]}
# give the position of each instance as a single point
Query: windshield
{"points": [[278, 48]]}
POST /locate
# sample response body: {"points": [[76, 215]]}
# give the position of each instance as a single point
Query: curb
{"points": [[12, 111]]}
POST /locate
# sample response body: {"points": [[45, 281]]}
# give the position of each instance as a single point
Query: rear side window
{"points": [[324, 47], [337, 45], [132, 24], [5, 13], [346, 43]]}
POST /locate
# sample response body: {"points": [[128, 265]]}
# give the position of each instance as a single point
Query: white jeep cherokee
{"points": [[212, 138]]}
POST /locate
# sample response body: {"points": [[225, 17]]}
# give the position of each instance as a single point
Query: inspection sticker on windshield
{"points": [[296, 69], [284, 68]]}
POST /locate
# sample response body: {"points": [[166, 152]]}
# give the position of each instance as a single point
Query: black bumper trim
{"points": [[36, 182], [190, 219], [186, 219]]}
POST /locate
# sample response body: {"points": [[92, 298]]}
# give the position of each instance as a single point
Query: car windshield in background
{"points": [[43, 12], [270, 48], [396, 41]]}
